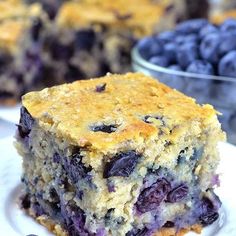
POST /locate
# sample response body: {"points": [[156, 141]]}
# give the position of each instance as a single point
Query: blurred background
{"points": [[188, 44]]}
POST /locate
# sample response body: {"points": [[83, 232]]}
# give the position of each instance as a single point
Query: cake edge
{"points": [[57, 230]]}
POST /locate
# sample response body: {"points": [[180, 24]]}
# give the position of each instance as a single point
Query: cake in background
{"points": [[92, 37], [76, 39], [86, 39], [222, 10], [15, 19], [51, 7]]}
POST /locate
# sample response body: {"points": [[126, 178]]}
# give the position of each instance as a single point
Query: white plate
{"points": [[11, 114], [13, 222]]}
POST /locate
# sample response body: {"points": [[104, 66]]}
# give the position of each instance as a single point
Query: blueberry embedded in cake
{"points": [[133, 158]]}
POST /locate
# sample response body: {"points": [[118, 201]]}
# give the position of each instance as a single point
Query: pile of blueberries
{"points": [[195, 46]]}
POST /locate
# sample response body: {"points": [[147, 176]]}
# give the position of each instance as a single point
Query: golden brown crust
{"points": [[141, 17], [172, 231], [70, 110]]}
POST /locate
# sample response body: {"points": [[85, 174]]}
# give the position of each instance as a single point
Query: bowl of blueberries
{"points": [[197, 58]]}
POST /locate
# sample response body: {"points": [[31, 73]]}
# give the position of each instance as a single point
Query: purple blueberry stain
{"points": [[178, 194], [215, 181], [110, 186], [122, 164], [151, 197], [101, 232], [56, 158]]}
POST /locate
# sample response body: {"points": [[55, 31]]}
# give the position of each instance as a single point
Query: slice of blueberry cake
{"points": [[92, 37], [118, 155]]}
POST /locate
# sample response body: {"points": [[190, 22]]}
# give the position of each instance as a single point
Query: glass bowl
{"points": [[216, 90]]}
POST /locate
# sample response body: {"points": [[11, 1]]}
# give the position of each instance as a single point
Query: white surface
{"points": [[11, 114], [13, 222]]}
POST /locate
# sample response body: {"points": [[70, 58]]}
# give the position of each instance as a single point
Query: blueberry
{"points": [[209, 218], [60, 51], [36, 29], [179, 40], [228, 25], [25, 201], [109, 215], [159, 61], [151, 197], [208, 29], [122, 164], [209, 47], [175, 67], [104, 128], [75, 220], [51, 7], [182, 39], [170, 52], [208, 212], [75, 168], [149, 47], [227, 65], [85, 39], [26, 122], [177, 194], [73, 73], [169, 224], [200, 67], [186, 54], [191, 26], [167, 36], [100, 88], [138, 232], [53, 195], [228, 42], [191, 38]]}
